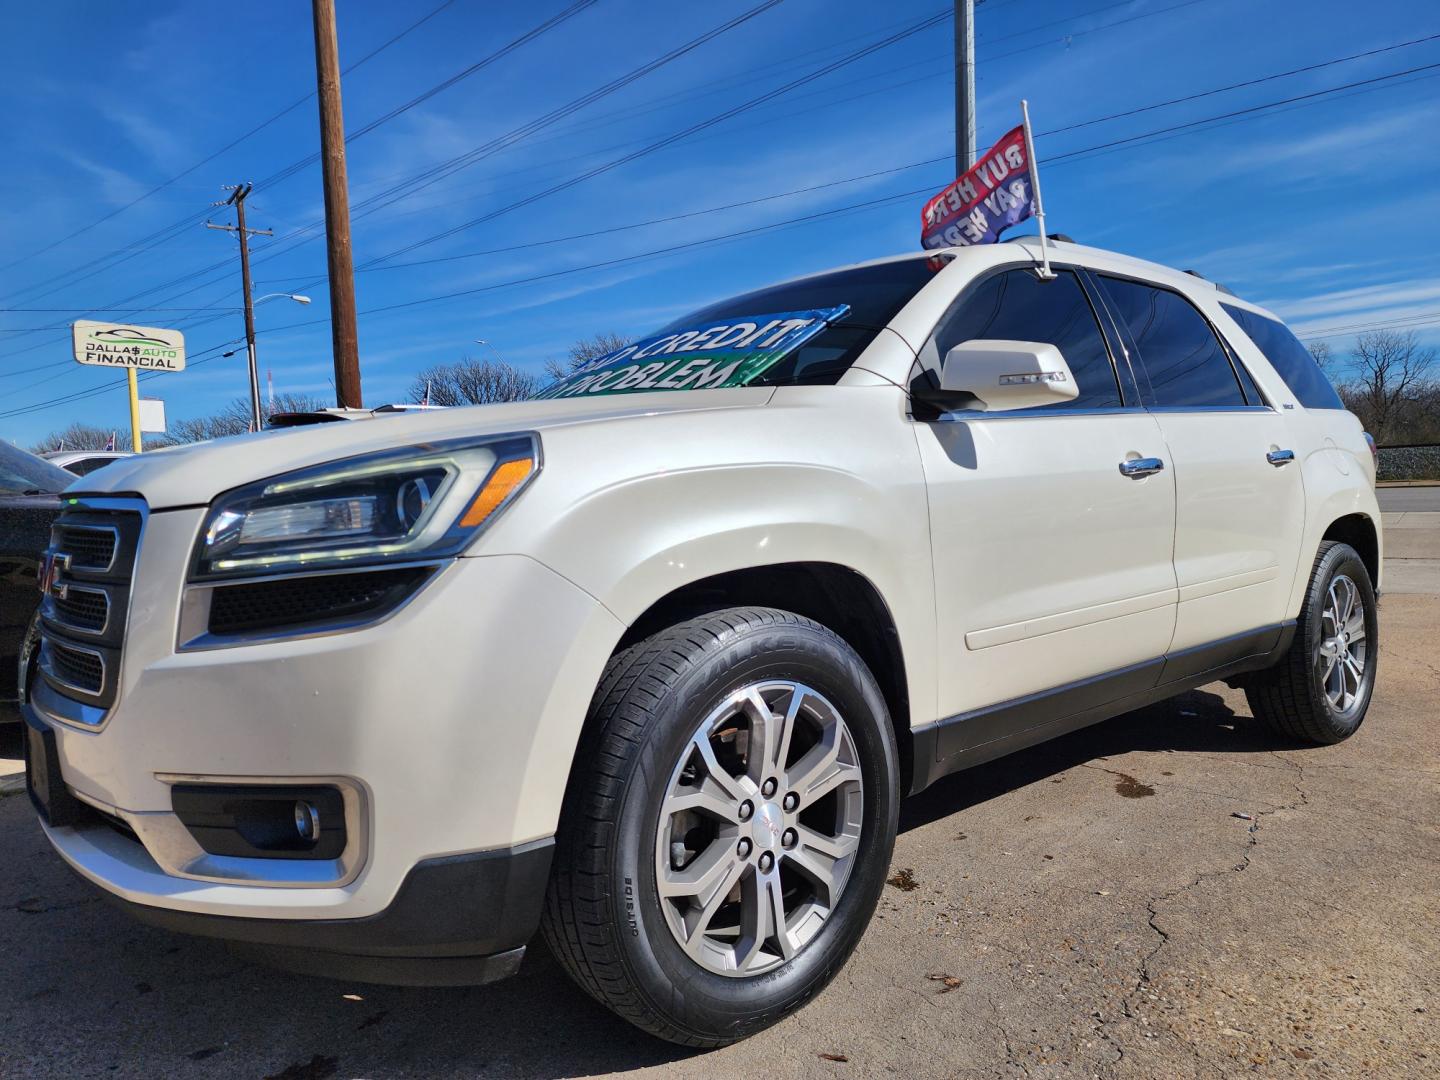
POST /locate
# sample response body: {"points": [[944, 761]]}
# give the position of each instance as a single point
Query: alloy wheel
{"points": [[1342, 651], [759, 828]]}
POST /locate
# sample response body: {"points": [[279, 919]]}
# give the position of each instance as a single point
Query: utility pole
{"points": [[964, 85], [340, 260], [238, 194]]}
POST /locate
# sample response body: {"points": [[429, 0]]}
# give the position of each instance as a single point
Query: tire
{"points": [[642, 754], [1301, 697]]}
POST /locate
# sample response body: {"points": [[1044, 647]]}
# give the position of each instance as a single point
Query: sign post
{"points": [[99, 344]]}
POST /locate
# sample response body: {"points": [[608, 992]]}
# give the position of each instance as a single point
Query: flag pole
{"points": [[1046, 274]]}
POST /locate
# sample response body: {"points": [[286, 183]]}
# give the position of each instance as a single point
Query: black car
{"points": [[28, 504]]}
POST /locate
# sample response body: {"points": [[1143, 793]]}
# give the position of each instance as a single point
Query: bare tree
{"points": [[1391, 382], [234, 418], [76, 437], [1323, 355], [473, 382], [582, 352]]}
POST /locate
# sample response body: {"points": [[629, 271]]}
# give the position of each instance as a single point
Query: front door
{"points": [[1052, 565]]}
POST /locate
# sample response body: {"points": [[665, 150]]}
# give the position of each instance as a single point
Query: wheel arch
{"points": [[836, 596], [1359, 531]]}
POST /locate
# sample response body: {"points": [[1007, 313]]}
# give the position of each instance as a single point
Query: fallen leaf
{"points": [[950, 981], [904, 880], [352, 997], [833, 1057]]}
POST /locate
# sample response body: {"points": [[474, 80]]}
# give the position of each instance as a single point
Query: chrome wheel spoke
{"points": [[699, 924], [820, 772], [762, 921], [1355, 627], [702, 875], [735, 789], [710, 797], [820, 858]]}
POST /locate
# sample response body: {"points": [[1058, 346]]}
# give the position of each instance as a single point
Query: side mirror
{"points": [[1003, 375]]}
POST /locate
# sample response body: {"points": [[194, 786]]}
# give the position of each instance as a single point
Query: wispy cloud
{"points": [[115, 186]]}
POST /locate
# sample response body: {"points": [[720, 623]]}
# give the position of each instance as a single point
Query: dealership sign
{"points": [[122, 345]]}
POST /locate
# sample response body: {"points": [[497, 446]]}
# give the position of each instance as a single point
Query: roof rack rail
{"points": [[1218, 287], [1058, 237]]}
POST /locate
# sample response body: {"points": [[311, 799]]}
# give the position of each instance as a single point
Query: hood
{"points": [[193, 475]]}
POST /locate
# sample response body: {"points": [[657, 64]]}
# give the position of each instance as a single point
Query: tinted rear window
{"points": [[875, 295], [1181, 354], [1289, 358]]}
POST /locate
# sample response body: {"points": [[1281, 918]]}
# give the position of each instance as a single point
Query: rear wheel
{"points": [[1320, 691], [727, 830]]}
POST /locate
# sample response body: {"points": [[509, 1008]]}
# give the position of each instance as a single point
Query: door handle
{"points": [[1280, 457], [1141, 467]]}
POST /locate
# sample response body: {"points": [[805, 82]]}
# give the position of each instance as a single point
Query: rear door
{"points": [[1240, 502], [1052, 566]]}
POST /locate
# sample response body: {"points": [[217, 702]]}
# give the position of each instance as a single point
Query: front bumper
{"points": [[446, 724], [460, 920]]}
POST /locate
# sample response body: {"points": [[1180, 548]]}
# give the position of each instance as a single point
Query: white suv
{"points": [[649, 663]]}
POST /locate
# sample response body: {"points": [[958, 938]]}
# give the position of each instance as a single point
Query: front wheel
{"points": [[1320, 691], [728, 825]]}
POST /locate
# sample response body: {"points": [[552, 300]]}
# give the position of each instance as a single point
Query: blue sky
{"points": [[1323, 209]]}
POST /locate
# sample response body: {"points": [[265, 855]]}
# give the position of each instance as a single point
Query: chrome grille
{"points": [[83, 608], [77, 669], [86, 584], [90, 547]]}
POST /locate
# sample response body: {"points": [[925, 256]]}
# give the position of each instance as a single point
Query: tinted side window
{"points": [[21, 472], [1289, 358], [1017, 306], [1186, 365]]}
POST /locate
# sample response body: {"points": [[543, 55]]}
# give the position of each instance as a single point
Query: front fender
{"points": [[633, 510]]}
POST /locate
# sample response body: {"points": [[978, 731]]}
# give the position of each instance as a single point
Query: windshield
{"points": [[804, 332], [22, 473]]}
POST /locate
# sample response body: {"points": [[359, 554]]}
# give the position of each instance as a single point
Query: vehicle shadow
{"points": [[11, 745], [108, 997], [1195, 722]]}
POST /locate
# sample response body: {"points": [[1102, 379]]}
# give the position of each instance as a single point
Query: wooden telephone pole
{"points": [[237, 199], [341, 263]]}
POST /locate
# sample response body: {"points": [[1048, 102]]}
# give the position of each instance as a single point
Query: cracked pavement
{"points": [[1104, 910]]}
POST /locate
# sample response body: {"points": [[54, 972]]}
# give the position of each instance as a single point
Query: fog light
{"points": [[307, 821]]}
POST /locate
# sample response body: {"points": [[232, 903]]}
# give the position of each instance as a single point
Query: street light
{"points": [[488, 345], [293, 296]]}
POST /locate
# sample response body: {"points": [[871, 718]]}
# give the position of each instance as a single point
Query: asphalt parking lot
{"points": [[1094, 907]]}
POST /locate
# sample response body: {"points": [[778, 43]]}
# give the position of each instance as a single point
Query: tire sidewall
{"points": [[1339, 560], [718, 1006]]}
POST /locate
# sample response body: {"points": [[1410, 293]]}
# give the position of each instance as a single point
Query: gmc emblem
{"points": [[48, 577]]}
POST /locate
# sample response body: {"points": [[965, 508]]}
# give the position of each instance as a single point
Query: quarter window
{"points": [[1179, 350], [1018, 306], [1290, 359]]}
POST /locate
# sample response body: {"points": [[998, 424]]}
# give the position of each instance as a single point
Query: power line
{"points": [[1411, 321], [230, 145], [1239, 112], [1240, 85], [178, 227], [1183, 128], [674, 137]]}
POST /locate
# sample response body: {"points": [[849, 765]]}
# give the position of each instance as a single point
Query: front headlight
{"points": [[416, 502]]}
